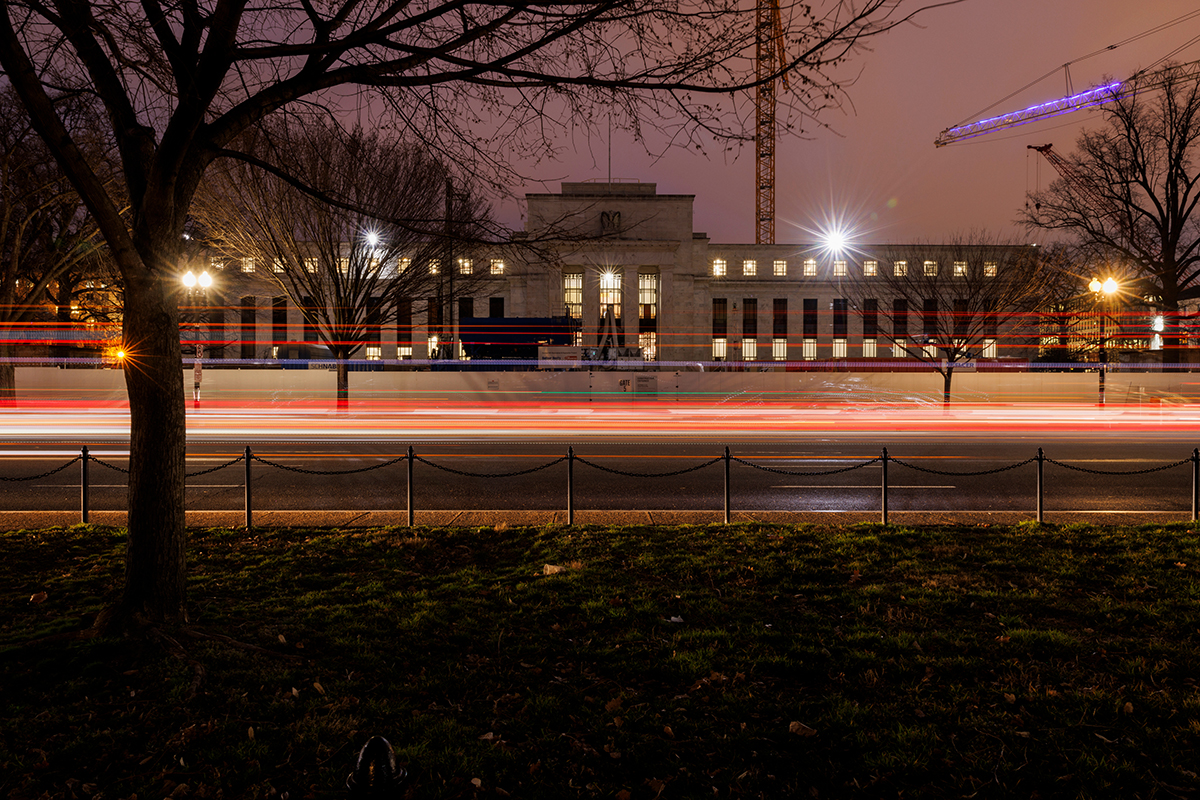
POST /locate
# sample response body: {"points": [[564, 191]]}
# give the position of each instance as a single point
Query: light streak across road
{"points": [[641, 420]]}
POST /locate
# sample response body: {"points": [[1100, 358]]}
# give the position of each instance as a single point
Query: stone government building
{"points": [[623, 261]]}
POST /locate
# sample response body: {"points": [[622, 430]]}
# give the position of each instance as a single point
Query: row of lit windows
{"points": [[840, 349], [870, 268], [466, 266]]}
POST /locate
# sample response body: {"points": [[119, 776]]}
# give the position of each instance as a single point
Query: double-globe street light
{"points": [[196, 290], [1102, 292]]}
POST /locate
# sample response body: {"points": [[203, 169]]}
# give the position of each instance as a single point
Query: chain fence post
{"points": [[1195, 483], [411, 510], [1041, 460], [884, 484], [83, 486], [249, 513], [570, 485], [727, 485]]}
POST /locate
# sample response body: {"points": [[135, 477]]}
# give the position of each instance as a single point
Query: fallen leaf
{"points": [[476, 783], [487, 737], [613, 705], [40, 597], [624, 794], [320, 689], [800, 729], [282, 640], [250, 732], [670, 734], [1010, 698], [552, 569], [1129, 708]]}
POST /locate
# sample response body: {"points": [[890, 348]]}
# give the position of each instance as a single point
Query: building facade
{"points": [[626, 264]]}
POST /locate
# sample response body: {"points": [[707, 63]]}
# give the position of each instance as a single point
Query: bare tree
{"points": [[180, 81], [1130, 194], [946, 303], [378, 223], [49, 246]]}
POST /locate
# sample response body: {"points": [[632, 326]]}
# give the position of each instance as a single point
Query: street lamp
{"points": [[197, 295], [1101, 292]]}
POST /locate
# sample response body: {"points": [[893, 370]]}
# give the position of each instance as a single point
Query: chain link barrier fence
{"points": [[410, 458]]}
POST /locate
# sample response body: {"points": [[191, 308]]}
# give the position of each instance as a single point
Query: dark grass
{"points": [[688, 662]]}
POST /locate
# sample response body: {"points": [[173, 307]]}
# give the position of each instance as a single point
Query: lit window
{"points": [[247, 265], [810, 349], [277, 265], [839, 348], [839, 268], [374, 352], [274, 351], [718, 352], [573, 294], [374, 265], [931, 351], [869, 348], [931, 268], [497, 266], [216, 262], [870, 268], [779, 349], [719, 268], [435, 266], [750, 267], [989, 269], [433, 347], [989, 348], [810, 267], [780, 268], [900, 269], [310, 264], [648, 295], [749, 349], [465, 267], [404, 351], [648, 341], [960, 269], [610, 293], [344, 266], [403, 264]]}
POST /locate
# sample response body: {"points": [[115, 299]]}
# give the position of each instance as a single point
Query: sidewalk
{"points": [[17, 520]]}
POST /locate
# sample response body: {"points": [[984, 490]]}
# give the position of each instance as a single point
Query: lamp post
{"points": [[1101, 292], [197, 296]]}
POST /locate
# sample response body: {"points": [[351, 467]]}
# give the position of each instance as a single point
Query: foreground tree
{"points": [[1130, 194], [951, 302], [380, 222], [180, 81]]}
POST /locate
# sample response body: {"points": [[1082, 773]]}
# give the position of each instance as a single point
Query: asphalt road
{"points": [[621, 456]]}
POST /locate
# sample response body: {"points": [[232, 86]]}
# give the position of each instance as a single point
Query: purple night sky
{"points": [[880, 170]]}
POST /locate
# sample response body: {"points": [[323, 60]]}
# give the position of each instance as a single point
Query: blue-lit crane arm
{"points": [[1097, 95]]}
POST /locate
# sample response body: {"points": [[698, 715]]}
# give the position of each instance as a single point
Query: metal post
{"points": [[411, 510], [1195, 483], [83, 486], [249, 522], [727, 485], [1041, 458], [884, 482], [570, 485]]}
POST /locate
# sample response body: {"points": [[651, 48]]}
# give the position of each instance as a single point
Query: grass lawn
{"points": [[743, 661]]}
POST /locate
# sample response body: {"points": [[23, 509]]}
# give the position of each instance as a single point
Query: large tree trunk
{"points": [[946, 376], [343, 382], [155, 564]]}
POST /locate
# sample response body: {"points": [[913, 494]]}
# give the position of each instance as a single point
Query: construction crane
{"points": [[1096, 96], [769, 59], [1096, 196]]}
